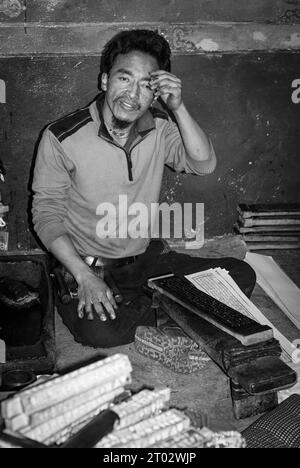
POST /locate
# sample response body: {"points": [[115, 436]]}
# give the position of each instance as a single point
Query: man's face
{"points": [[127, 86]]}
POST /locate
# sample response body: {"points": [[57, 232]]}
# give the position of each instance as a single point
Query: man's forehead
{"points": [[133, 62]]}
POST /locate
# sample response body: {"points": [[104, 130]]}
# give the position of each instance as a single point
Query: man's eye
{"points": [[123, 78], [146, 85]]}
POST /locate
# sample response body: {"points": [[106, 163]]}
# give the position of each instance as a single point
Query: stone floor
{"points": [[206, 391]]}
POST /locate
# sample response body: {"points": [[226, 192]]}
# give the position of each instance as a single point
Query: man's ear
{"points": [[104, 79]]}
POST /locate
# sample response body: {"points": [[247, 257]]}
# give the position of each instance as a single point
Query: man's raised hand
{"points": [[168, 87]]}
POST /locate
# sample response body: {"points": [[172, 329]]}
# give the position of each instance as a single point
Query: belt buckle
{"points": [[93, 261]]}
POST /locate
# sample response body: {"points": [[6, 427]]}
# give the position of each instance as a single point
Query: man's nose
{"points": [[133, 90]]}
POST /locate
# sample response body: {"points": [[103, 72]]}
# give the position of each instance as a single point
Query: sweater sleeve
{"points": [[51, 184], [177, 158]]}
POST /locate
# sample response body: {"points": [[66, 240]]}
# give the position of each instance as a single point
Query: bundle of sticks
{"points": [[269, 226]]}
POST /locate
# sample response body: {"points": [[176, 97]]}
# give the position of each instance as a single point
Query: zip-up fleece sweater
{"points": [[79, 167]]}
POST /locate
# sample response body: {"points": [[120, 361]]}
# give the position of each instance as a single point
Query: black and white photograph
{"points": [[149, 226]]}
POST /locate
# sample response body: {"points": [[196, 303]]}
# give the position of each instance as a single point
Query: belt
{"points": [[113, 262]]}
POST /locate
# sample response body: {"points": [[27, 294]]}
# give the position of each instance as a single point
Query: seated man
{"points": [[114, 150]]}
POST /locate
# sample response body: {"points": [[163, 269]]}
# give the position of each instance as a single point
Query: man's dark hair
{"points": [[142, 40]]}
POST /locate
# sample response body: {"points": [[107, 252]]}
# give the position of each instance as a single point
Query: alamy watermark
{"points": [[138, 220], [296, 93]]}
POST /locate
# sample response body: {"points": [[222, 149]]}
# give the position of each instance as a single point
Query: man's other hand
{"points": [[168, 87], [95, 297]]}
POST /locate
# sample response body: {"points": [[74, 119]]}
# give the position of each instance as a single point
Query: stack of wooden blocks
{"points": [[269, 226]]}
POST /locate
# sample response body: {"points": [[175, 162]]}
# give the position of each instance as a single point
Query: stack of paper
{"points": [[218, 283], [269, 226]]}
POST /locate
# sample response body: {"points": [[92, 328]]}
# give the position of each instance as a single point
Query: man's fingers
{"points": [[81, 305], [96, 298], [108, 306], [110, 309], [89, 309], [160, 73], [111, 298], [171, 86], [166, 80], [167, 90], [99, 310], [108, 301]]}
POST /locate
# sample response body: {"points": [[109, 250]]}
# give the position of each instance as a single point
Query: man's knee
{"points": [[100, 335], [110, 333], [244, 268]]}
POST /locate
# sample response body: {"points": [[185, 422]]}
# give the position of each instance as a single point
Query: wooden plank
{"points": [[266, 214], [257, 207], [257, 374], [249, 222], [268, 229], [189, 38], [266, 238], [272, 209], [251, 334]]}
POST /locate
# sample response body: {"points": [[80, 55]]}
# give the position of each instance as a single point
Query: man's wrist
{"points": [[180, 111], [80, 272]]}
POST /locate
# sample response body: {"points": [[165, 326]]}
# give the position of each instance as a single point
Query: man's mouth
{"points": [[127, 105]]}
